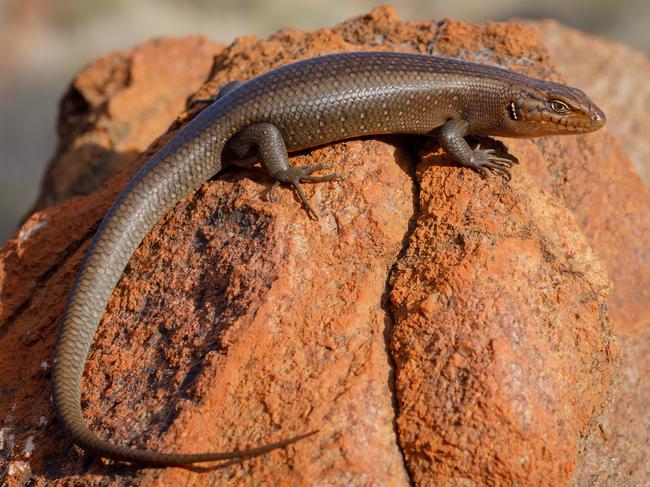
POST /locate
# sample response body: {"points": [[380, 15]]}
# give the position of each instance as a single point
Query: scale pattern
{"points": [[312, 102]]}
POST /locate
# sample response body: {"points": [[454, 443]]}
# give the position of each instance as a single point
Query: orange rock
{"points": [[486, 358], [116, 106], [616, 76], [501, 380]]}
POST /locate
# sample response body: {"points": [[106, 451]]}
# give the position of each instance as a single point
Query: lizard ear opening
{"points": [[512, 110]]}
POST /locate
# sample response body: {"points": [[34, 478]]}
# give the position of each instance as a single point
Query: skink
{"points": [[301, 105]]}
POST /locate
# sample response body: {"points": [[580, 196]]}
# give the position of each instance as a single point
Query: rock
{"points": [[501, 340], [116, 106], [485, 357], [616, 75]]}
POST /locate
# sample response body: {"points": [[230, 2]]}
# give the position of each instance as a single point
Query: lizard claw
{"points": [[295, 175], [485, 161]]}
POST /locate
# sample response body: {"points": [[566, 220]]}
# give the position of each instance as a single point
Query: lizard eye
{"points": [[559, 106]]}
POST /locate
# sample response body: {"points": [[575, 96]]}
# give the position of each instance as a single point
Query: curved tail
{"points": [[91, 442], [189, 159]]}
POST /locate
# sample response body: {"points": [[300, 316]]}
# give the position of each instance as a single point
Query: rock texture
{"points": [[116, 106], [617, 74], [435, 327], [501, 330]]}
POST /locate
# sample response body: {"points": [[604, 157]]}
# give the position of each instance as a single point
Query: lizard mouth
{"points": [[582, 122]]}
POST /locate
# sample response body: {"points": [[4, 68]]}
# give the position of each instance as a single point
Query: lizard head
{"points": [[552, 109]]}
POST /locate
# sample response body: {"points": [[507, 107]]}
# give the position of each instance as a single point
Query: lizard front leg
{"points": [[452, 139]]}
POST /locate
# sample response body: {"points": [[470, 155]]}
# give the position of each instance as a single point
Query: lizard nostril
{"points": [[598, 118]]}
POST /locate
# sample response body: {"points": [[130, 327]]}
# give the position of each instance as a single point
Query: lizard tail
{"points": [[178, 169], [91, 442]]}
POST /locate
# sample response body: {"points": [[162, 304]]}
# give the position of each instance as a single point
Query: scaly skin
{"points": [[301, 105]]}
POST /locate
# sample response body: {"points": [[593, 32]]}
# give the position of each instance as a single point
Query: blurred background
{"points": [[45, 42]]}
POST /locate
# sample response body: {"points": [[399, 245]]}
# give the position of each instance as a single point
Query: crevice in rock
{"points": [[410, 159]]}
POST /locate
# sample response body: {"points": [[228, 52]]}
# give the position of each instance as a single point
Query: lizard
{"points": [[297, 106]]}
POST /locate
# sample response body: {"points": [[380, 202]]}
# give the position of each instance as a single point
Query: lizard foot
{"points": [[485, 161], [295, 175]]}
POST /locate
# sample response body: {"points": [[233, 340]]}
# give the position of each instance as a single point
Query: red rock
{"points": [[616, 75], [116, 106], [502, 340], [240, 322]]}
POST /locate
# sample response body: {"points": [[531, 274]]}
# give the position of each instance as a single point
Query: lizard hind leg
{"points": [[273, 155]]}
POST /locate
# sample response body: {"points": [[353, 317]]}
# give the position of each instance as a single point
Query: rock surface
{"points": [[617, 74], [116, 106], [614, 74], [485, 357]]}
